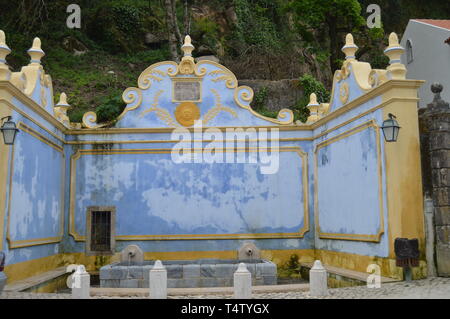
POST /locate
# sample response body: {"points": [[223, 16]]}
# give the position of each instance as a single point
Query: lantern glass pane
{"points": [[388, 133], [395, 133], [9, 132]]}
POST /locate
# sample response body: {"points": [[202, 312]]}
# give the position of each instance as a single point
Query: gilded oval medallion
{"points": [[344, 93], [187, 113]]}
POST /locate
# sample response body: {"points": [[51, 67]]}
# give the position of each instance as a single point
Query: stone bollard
{"points": [[158, 281], [242, 283], [318, 280], [81, 283]]}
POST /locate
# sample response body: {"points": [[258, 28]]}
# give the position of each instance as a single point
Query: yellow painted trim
{"points": [[22, 270], [26, 269], [369, 96], [39, 241], [150, 70], [281, 128], [358, 262], [294, 139], [22, 126], [343, 135], [403, 172], [382, 105], [29, 268], [296, 149], [5, 152], [32, 104], [12, 106], [352, 104], [305, 127], [129, 98]]}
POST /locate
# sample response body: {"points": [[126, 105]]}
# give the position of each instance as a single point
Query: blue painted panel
{"points": [[155, 196], [348, 185], [35, 208]]}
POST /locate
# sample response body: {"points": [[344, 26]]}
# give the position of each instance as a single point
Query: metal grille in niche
{"points": [[101, 231]]}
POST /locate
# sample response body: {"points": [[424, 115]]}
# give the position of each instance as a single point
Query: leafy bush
{"points": [[259, 103], [128, 19], [111, 108], [309, 85]]}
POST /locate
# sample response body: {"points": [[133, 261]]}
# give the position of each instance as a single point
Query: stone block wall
{"points": [[435, 138], [197, 274], [280, 94]]}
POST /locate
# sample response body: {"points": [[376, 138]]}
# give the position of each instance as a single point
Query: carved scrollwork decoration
{"points": [[344, 93], [213, 112], [90, 120], [377, 77], [161, 113], [344, 73], [243, 95], [224, 75]]}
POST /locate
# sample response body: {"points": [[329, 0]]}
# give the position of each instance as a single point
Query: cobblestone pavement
{"points": [[432, 288]]}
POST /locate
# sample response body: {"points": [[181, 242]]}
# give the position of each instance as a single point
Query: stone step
{"points": [[352, 274], [142, 292], [33, 281]]}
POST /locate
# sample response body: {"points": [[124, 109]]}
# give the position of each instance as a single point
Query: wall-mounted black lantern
{"points": [[390, 129], [8, 130]]}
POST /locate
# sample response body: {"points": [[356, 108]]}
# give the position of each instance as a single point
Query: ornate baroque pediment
{"points": [[171, 94]]}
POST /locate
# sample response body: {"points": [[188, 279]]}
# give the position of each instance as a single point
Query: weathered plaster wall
{"points": [[350, 194], [159, 199], [32, 212], [340, 192], [155, 196]]}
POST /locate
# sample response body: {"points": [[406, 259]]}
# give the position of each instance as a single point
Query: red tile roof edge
{"points": [[445, 24]]}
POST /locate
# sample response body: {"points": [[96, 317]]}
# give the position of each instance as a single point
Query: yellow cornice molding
{"points": [[375, 92], [170, 129], [7, 85], [15, 108], [289, 139]]}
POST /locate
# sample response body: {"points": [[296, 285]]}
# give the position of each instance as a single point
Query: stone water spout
{"points": [[249, 251], [132, 254]]}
